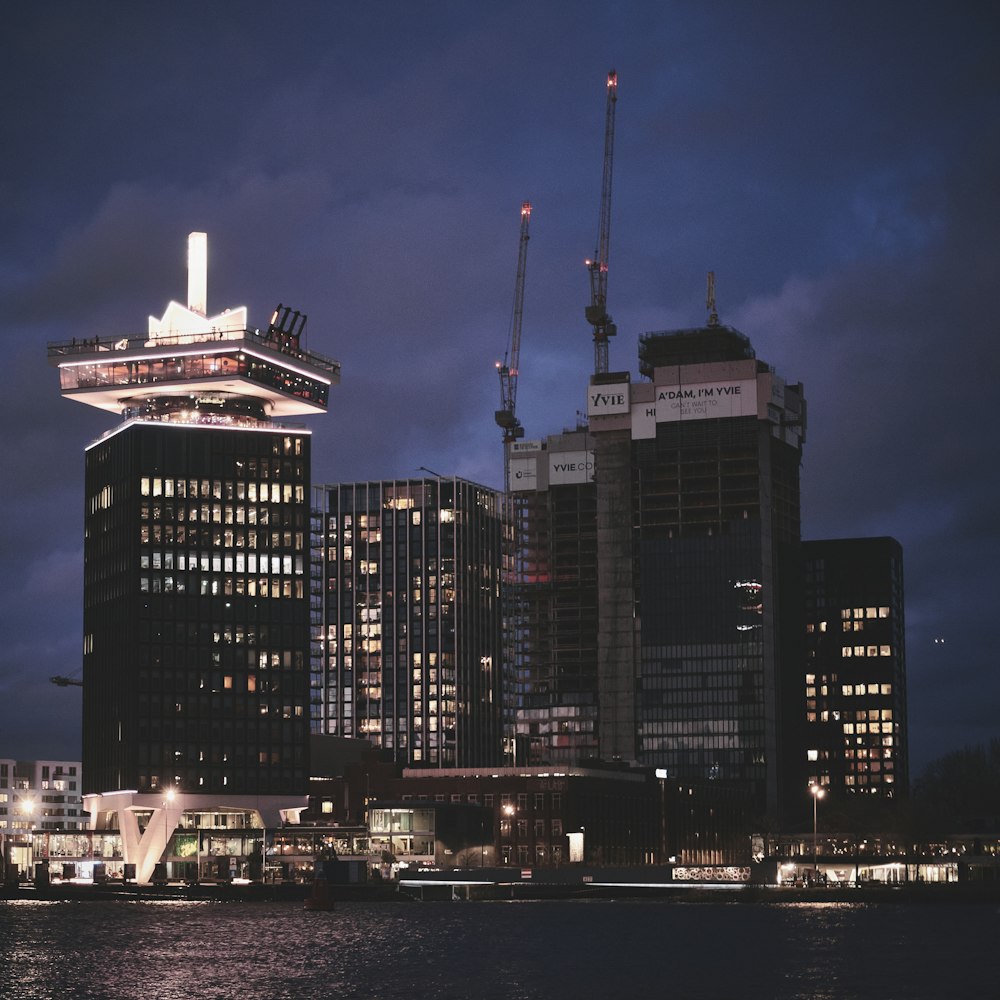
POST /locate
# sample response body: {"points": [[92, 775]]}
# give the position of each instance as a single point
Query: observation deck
{"points": [[126, 374]]}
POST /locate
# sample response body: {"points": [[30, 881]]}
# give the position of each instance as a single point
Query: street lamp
{"points": [[508, 809], [25, 807], [817, 792], [28, 808]]}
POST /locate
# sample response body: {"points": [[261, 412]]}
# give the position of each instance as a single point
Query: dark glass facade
{"points": [[196, 616], [407, 640], [716, 517], [659, 571]]}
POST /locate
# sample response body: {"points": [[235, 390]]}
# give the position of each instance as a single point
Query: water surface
{"points": [[504, 950]]}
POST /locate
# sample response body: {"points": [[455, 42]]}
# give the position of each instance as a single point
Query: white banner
{"points": [[525, 446], [643, 421], [571, 467], [523, 472], [605, 399], [706, 400]]}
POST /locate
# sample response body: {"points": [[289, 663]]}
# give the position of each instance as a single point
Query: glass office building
{"points": [[407, 635]]}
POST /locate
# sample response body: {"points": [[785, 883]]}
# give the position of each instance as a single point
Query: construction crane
{"points": [[66, 681], [511, 556], [506, 416], [597, 311]]}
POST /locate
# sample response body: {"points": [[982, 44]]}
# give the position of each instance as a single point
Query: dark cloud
{"points": [[834, 165]]}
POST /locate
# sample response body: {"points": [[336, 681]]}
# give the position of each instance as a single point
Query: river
{"points": [[181, 950]]}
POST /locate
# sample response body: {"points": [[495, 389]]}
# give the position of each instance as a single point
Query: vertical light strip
{"points": [[198, 273]]}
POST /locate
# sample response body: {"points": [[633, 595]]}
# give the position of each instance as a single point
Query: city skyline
{"points": [[833, 168]]}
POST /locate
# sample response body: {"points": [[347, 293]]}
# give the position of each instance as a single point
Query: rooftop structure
{"points": [[199, 369]]}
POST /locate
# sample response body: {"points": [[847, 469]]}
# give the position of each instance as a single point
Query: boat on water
{"points": [[319, 898]]}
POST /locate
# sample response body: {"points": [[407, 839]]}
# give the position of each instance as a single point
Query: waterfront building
{"points": [[196, 569], [36, 795], [546, 817], [686, 490], [855, 668], [407, 634]]}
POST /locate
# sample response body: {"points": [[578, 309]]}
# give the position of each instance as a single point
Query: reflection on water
{"points": [[509, 951]]}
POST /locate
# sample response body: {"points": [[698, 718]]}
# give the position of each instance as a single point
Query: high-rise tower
{"points": [[697, 474], [855, 668], [409, 649], [196, 567], [661, 548]]}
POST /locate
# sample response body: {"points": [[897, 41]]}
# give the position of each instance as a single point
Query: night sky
{"points": [[835, 164]]}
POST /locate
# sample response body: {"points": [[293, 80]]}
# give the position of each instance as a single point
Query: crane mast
{"points": [[506, 416], [597, 311], [512, 604]]}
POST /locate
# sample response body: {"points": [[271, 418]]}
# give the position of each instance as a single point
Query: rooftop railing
{"points": [[138, 342]]}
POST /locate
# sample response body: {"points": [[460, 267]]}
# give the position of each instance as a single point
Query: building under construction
{"points": [[554, 500], [658, 546]]}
